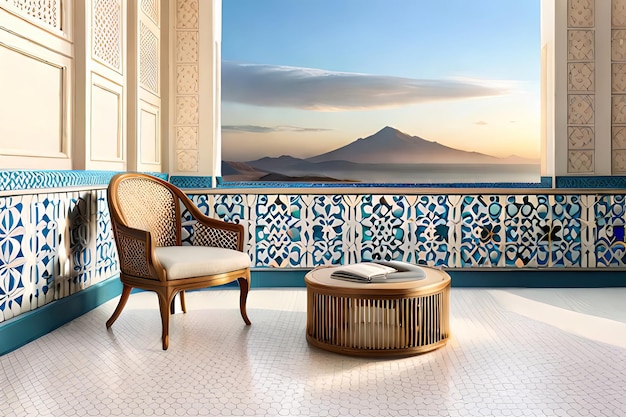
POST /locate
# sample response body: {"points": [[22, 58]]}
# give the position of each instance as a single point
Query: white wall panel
{"points": [[149, 139], [36, 91], [106, 120], [31, 111]]}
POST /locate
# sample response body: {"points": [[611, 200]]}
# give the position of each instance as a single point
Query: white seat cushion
{"points": [[194, 261]]}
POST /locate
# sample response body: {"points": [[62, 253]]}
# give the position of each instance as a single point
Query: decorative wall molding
{"points": [[33, 180], [581, 85], [151, 9], [580, 137], [581, 76], [107, 30], [186, 88], [44, 12], [148, 59], [618, 87], [580, 13]]}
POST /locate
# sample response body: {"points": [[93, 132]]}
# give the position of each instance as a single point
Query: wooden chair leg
{"points": [[244, 286], [183, 305], [120, 305], [173, 305], [165, 302]]}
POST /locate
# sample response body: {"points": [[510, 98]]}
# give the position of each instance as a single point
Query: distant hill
{"points": [[240, 171], [386, 156], [389, 145]]}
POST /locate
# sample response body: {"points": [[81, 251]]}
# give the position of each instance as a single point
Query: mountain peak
{"points": [[389, 145], [388, 129]]}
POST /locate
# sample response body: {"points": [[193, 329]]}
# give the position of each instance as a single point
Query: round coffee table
{"points": [[378, 319]]}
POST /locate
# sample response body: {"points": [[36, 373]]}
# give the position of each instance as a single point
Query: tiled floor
{"points": [[514, 352]]}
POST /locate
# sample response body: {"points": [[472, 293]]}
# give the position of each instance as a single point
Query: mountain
{"points": [[391, 146], [386, 156], [279, 169]]}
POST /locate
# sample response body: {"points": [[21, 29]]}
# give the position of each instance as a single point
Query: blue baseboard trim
{"points": [[27, 327], [274, 277], [538, 278], [535, 278]]}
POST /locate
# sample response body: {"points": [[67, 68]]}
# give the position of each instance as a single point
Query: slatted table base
{"points": [[367, 321]]}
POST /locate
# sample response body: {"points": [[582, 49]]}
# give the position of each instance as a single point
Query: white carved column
{"points": [[581, 98], [584, 88], [194, 88], [618, 86]]}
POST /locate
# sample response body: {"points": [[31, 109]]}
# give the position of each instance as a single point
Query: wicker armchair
{"points": [[147, 227]]}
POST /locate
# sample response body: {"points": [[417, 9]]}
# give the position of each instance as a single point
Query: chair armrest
{"points": [[216, 235], [212, 232], [135, 250]]}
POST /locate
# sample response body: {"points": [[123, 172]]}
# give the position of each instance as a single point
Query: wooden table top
{"points": [[320, 279]]}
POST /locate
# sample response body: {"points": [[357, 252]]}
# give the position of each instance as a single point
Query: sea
{"points": [[432, 173]]}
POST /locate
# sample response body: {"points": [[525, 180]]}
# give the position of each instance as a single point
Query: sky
{"points": [[304, 77]]}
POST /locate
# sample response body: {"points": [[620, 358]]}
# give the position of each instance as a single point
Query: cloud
{"points": [[481, 123], [266, 129], [316, 89]]}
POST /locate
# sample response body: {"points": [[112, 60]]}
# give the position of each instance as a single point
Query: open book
{"points": [[379, 271]]}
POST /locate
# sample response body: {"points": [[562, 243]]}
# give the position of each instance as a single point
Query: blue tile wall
{"points": [[451, 231], [57, 243]]}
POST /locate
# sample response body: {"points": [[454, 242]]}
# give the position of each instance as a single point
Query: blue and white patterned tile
{"points": [[565, 231], [107, 261], [432, 231], [482, 232], [588, 230], [45, 214], [384, 228], [527, 227], [12, 240], [203, 202], [352, 228], [231, 208], [80, 240], [610, 220], [277, 231], [324, 234]]}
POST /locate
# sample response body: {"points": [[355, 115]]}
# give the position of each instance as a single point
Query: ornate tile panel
{"points": [[564, 233], [580, 161], [610, 218], [325, 235], [80, 241], [588, 230], [432, 231], [483, 234], [618, 13], [581, 76], [14, 240], [54, 244], [277, 231], [580, 45], [107, 262], [580, 137], [46, 216], [384, 231], [581, 109], [580, 13], [527, 228]]}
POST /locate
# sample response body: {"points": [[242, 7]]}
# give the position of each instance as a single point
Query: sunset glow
{"points": [[304, 78]]}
